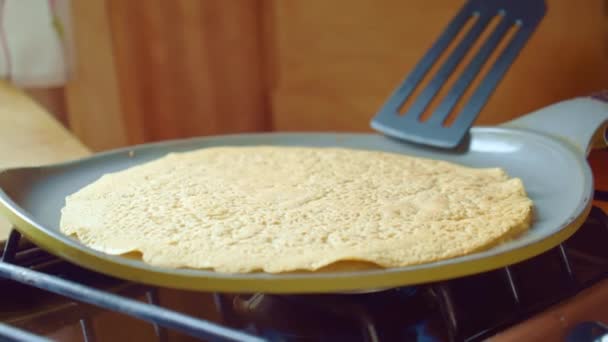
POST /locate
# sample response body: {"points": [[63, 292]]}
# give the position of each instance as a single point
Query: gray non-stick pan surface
{"points": [[546, 149]]}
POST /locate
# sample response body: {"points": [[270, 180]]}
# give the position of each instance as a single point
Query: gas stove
{"points": [[52, 293]]}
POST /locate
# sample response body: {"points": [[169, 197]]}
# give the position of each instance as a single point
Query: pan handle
{"points": [[581, 121]]}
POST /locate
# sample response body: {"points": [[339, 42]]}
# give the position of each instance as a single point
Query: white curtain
{"points": [[35, 40]]}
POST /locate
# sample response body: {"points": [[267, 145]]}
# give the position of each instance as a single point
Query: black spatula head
{"points": [[517, 20]]}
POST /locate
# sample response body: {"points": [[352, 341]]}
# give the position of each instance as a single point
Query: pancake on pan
{"points": [[286, 209]]}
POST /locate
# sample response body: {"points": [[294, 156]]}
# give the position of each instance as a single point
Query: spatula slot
{"points": [[436, 104], [518, 36], [422, 101], [460, 72], [447, 114], [440, 59]]}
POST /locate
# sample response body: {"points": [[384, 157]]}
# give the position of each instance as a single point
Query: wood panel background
{"points": [[337, 64], [189, 68], [93, 104], [177, 69], [154, 70]]}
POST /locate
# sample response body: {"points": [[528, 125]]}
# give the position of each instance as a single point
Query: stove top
{"points": [[465, 309], [470, 308]]}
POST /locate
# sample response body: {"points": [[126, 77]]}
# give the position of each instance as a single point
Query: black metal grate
{"points": [[151, 312]]}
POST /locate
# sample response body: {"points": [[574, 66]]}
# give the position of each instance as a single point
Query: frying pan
{"points": [[546, 149]]}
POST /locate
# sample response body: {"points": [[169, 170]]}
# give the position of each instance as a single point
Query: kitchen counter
{"points": [[30, 136]]}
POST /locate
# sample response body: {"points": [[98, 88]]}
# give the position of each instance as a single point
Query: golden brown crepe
{"points": [[284, 209]]}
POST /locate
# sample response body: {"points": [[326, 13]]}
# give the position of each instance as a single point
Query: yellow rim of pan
{"points": [[312, 283]]}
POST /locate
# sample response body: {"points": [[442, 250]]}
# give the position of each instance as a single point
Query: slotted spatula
{"points": [[521, 15]]}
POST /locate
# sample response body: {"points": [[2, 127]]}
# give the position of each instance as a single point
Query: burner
{"points": [[344, 317]]}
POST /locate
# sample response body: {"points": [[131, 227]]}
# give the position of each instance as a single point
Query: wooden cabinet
{"points": [[166, 69], [156, 70]]}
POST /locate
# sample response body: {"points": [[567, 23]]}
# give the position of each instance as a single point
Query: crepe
{"points": [[286, 209]]}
